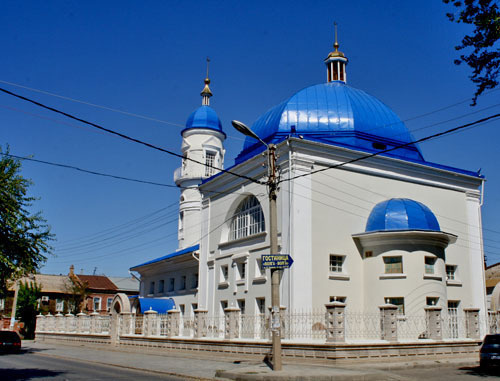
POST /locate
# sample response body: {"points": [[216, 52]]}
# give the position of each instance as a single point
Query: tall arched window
{"points": [[248, 219]]}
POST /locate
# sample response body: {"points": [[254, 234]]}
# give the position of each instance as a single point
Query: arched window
{"points": [[248, 219]]}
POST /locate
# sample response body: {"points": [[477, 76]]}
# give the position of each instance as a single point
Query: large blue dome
{"points": [[204, 117], [401, 214], [334, 113]]}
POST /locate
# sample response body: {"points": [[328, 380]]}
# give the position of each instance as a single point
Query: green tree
{"points": [[78, 292], [484, 60], [24, 237], [27, 306]]}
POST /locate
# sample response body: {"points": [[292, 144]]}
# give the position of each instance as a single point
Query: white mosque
{"points": [[392, 228]]}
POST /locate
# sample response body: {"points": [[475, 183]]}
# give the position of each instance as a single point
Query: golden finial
{"points": [[336, 52], [206, 93], [336, 44]]}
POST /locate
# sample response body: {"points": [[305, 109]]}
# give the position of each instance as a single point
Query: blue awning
{"points": [[156, 304], [187, 250]]}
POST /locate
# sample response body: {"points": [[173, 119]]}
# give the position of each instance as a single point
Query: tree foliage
{"points": [[24, 237], [78, 291], [484, 60], [27, 306]]}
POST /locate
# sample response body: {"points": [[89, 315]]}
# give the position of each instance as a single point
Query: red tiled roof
{"points": [[98, 282]]}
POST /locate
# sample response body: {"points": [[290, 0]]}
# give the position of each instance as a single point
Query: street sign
{"points": [[276, 261]]}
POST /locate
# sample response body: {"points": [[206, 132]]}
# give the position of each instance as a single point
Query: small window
{"points": [[451, 271], [242, 269], [368, 254], [181, 220], [209, 163], [378, 145], [432, 301], [223, 305], [2, 304], [241, 305], [97, 303], [336, 263], [340, 299], [261, 305], [194, 307], [59, 305], [171, 284], [224, 273], [108, 304], [183, 283], [161, 286], [152, 288], [182, 308], [393, 265], [259, 271], [398, 302], [429, 265], [194, 281]]}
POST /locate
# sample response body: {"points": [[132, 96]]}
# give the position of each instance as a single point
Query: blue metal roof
{"points": [[204, 117], [401, 214], [187, 250], [336, 114], [156, 304]]}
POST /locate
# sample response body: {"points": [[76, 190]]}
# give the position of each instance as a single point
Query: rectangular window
{"points": [[97, 303], [241, 266], [182, 308], [340, 299], [259, 271], [398, 302], [336, 262], [194, 281], [109, 302], [183, 283], [59, 305], [152, 288], [393, 265], [209, 163], [224, 273], [241, 305], [161, 286], [451, 272], [431, 301], [223, 305], [194, 307], [2, 304], [261, 305], [171, 284], [429, 265]]}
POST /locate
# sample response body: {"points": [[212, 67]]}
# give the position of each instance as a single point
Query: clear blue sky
{"points": [[148, 58]]}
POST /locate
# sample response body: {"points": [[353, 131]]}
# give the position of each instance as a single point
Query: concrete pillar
{"points": [[150, 323], [81, 319], [95, 327], [40, 323], [200, 323], [60, 326], [232, 326], [174, 323], [433, 320], [388, 322], [125, 325], [50, 323], [472, 323], [335, 322], [70, 322]]}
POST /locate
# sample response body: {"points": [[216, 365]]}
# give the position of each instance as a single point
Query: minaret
{"points": [[202, 141], [336, 63]]}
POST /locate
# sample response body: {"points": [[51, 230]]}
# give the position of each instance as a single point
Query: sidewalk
{"points": [[196, 365]]}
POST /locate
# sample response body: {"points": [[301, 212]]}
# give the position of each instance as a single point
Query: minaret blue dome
{"points": [[204, 117], [401, 214], [336, 114]]}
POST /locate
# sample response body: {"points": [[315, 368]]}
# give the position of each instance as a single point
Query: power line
{"points": [[433, 136], [126, 137]]}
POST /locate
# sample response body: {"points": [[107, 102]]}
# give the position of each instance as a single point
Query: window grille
{"points": [[398, 302], [97, 303], [109, 302], [209, 163], [248, 219], [432, 301], [336, 262], [429, 265], [393, 265], [450, 272], [59, 305]]}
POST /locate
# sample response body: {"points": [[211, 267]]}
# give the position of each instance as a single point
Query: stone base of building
{"points": [[315, 352]]}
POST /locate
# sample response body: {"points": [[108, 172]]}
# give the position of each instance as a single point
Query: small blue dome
{"points": [[204, 117], [401, 214], [337, 114]]}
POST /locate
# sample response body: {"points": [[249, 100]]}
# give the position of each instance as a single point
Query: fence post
{"points": [[49, 323], [388, 322], [125, 320], [232, 327], [200, 323], [59, 322], [150, 318], [472, 323], [433, 320], [40, 323], [80, 322], [173, 322], [94, 323], [70, 320], [335, 322]]}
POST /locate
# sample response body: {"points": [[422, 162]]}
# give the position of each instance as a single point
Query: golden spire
{"points": [[336, 62], [336, 46], [206, 93]]}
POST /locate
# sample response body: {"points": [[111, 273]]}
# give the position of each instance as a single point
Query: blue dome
{"points": [[204, 117], [401, 214], [337, 114]]}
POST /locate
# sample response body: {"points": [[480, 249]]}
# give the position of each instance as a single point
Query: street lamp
{"points": [[272, 184]]}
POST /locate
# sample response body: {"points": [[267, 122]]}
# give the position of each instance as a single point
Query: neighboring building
{"points": [[392, 228], [492, 273], [101, 293]]}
